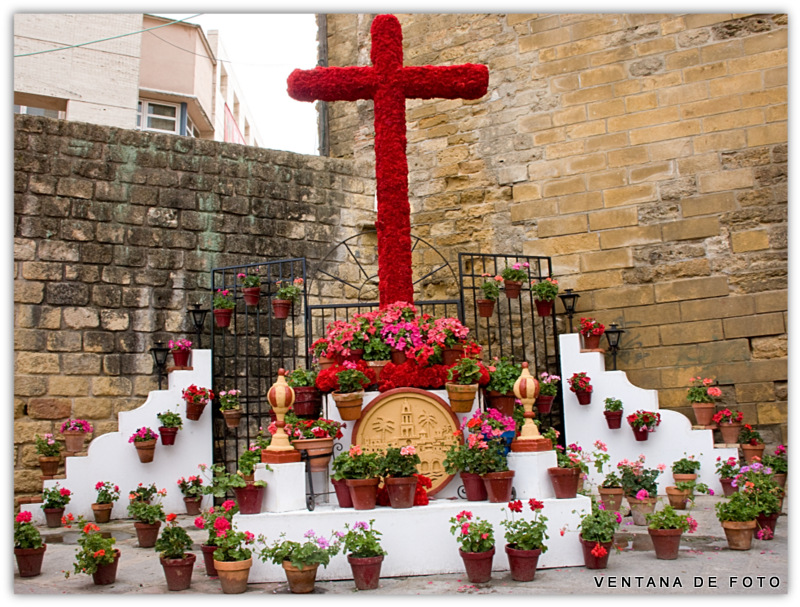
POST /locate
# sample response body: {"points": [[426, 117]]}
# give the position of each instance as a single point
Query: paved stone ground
{"points": [[704, 566]]}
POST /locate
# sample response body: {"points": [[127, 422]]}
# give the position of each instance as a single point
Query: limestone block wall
{"points": [[646, 153], [116, 233]]}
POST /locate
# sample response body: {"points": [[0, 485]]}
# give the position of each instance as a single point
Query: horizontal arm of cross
{"points": [[467, 81], [332, 84]]}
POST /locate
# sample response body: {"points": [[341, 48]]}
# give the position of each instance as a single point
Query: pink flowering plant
{"points": [[223, 300], [476, 456], [447, 332], [351, 379], [580, 382], [473, 534], [757, 482], [319, 349], [572, 457], [728, 468], [517, 272], [47, 446], [668, 518], [26, 535], [362, 540], [232, 545], [403, 335], [191, 487], [298, 429], [107, 492], [491, 286], [548, 384], [522, 534], [76, 425], [179, 345], [229, 399], [545, 290], [702, 390], [637, 480], [489, 424], [344, 337], [56, 497], [216, 519], [778, 460], [400, 462], [589, 327], [143, 434], [599, 525], [145, 512], [314, 550], [249, 280], [599, 458]]}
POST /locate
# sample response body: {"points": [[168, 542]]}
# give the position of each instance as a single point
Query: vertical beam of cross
{"points": [[388, 83]]}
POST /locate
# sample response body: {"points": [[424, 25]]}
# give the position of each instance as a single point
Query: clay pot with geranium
{"points": [[491, 424], [613, 413], [54, 501], [96, 555], [49, 451], [591, 331], [779, 463], [571, 466], [737, 515], [223, 305], [286, 295], [144, 439], [727, 471], [544, 295], [361, 543], [181, 350], [349, 393], [322, 353], [233, 557], [665, 528], [173, 546], [462, 384], [29, 548], [346, 340], [475, 538], [170, 424], [466, 458], [681, 494], [643, 423], [315, 437], [360, 471], [639, 484], [548, 389], [597, 529], [702, 393], [246, 464], [307, 397], [610, 489], [685, 469], [751, 443], [196, 399], [503, 373], [729, 424], [192, 490], [107, 494], [251, 288], [249, 494], [513, 277], [756, 481], [230, 407], [148, 518], [581, 385], [300, 560], [448, 335], [525, 539], [208, 521], [399, 470], [74, 432], [490, 289]]}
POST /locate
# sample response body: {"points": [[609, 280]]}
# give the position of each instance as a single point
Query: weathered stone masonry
{"points": [[117, 231]]}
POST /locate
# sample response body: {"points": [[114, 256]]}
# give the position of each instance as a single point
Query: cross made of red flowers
{"points": [[388, 83]]}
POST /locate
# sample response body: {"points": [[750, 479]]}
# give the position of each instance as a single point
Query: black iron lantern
{"points": [[613, 334], [159, 353], [569, 299], [198, 320]]}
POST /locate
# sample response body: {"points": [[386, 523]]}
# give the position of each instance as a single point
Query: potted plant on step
{"points": [[513, 277], [490, 287], [307, 398], [181, 349], [233, 557], [230, 407], [729, 423], [592, 331], [640, 487], [54, 500], [596, 536], [570, 467], [251, 288], [737, 515], [643, 423], [49, 451], [173, 546], [144, 493], [144, 439], [362, 545], [665, 528], [223, 307], [322, 353], [249, 494], [148, 518], [548, 389], [500, 390], [349, 393], [462, 384], [466, 458], [315, 437], [196, 398], [581, 385], [751, 442], [491, 464], [360, 472], [192, 491], [685, 469], [247, 461], [701, 393], [96, 555], [74, 432], [107, 494], [29, 548], [170, 424], [613, 413], [682, 493], [525, 540], [544, 294], [757, 482], [779, 463], [300, 561], [285, 296], [475, 538], [610, 489], [399, 469], [208, 520], [727, 471]]}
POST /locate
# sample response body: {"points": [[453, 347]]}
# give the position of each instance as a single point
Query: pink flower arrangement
{"points": [[702, 390], [446, 333], [76, 425], [143, 434], [179, 345], [403, 335]]}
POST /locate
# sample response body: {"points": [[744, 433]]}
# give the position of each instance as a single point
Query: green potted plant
{"points": [[286, 294], [639, 484], [74, 432], [757, 482], [249, 494], [751, 442], [548, 389], [685, 469], [107, 494], [592, 331], [462, 384], [144, 439], [525, 540], [247, 461], [596, 536], [513, 277], [49, 451], [682, 493], [475, 538], [613, 413], [315, 437], [300, 561], [54, 500], [729, 423], [581, 385], [322, 353], [208, 521], [349, 395], [192, 491], [181, 349], [666, 528], [251, 288], [727, 471], [610, 489], [779, 463], [223, 305], [571, 465], [307, 398], [173, 546], [365, 554], [360, 471], [544, 294], [170, 424], [96, 555], [29, 548], [230, 407], [467, 459], [500, 390], [737, 515], [148, 519], [643, 422], [490, 288], [233, 557], [399, 467], [701, 394]]}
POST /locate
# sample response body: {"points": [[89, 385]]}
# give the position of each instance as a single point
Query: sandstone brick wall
{"points": [[116, 232], [647, 154]]}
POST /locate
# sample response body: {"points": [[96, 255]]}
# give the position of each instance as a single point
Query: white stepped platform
{"points": [[671, 441], [111, 458]]}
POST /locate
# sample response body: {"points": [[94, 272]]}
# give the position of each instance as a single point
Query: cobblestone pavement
{"points": [[704, 566]]}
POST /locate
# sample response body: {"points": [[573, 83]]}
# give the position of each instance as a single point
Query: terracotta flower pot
{"points": [[543, 308], [147, 533], [73, 440], [249, 498], [301, 581], [251, 296], [485, 307], [325, 363], [595, 561], [208, 559], [29, 560], [342, 493], [641, 508], [640, 434], [666, 542], [194, 410], [544, 404], [349, 404], [102, 512], [498, 486], [565, 481], [398, 357], [319, 451], [503, 402], [222, 317], [478, 565], [167, 435], [613, 419], [366, 571], [739, 534], [751, 452], [611, 497], [730, 432], [780, 478], [53, 516], [683, 478], [181, 357], [49, 464], [474, 487], [727, 487], [178, 572], [591, 342], [145, 449], [232, 417], [512, 288], [584, 398], [461, 397], [107, 574], [401, 491], [522, 563], [677, 497], [451, 355], [377, 366], [192, 505], [363, 492], [281, 308], [704, 414], [233, 575], [307, 402]]}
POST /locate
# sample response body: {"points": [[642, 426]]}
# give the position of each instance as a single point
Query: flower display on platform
{"points": [[297, 428], [702, 390], [179, 345], [589, 326], [473, 534]]}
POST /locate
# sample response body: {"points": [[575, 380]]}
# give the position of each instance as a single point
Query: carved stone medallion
{"points": [[410, 416]]}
